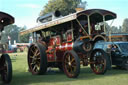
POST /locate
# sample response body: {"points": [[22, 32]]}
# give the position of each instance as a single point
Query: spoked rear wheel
{"points": [[99, 61], [6, 73], [37, 59], [71, 64]]}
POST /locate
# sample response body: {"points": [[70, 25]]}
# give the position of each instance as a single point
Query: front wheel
{"points": [[6, 73], [71, 64], [99, 61]]}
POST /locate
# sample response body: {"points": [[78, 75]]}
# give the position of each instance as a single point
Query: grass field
{"points": [[22, 77]]}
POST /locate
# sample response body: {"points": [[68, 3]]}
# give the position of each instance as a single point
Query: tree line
{"points": [[12, 32], [68, 6], [120, 29], [65, 7]]}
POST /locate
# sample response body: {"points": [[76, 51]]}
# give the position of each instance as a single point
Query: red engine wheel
{"points": [[6, 65], [37, 59], [99, 61], [71, 64]]}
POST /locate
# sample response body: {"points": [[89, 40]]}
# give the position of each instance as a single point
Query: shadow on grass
{"points": [[25, 78]]}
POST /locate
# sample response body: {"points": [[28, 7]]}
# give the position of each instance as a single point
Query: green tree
{"points": [[24, 38], [114, 29], [64, 6], [125, 25], [12, 31], [107, 28], [120, 29]]}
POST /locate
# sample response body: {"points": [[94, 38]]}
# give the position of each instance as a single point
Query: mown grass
{"points": [[22, 77]]}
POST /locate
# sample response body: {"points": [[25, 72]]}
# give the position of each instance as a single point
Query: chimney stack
{"points": [[81, 6], [79, 9]]}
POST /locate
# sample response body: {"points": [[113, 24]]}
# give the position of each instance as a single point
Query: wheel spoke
{"points": [[38, 63], [97, 69], [73, 65], [38, 58], [38, 53], [71, 70], [69, 58], [34, 47], [67, 66], [35, 68], [32, 51], [4, 71], [98, 66], [66, 59], [31, 56], [32, 64], [33, 61], [66, 62], [73, 60], [35, 52], [74, 68], [102, 61]]}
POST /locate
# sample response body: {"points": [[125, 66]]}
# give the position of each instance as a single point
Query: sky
{"points": [[27, 11]]}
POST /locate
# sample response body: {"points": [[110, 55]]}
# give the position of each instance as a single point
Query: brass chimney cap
{"points": [[79, 9]]}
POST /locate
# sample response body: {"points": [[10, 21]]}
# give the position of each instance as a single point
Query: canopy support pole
{"points": [[89, 28], [81, 27], [104, 24]]}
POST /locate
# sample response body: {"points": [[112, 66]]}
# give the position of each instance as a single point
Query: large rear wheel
{"points": [[37, 59], [6, 73], [71, 64], [99, 61]]}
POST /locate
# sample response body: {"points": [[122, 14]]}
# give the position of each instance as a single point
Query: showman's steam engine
{"points": [[67, 42]]}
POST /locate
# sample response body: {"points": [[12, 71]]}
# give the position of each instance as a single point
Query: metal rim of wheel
{"points": [[98, 62], [37, 59], [6, 73], [71, 64]]}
